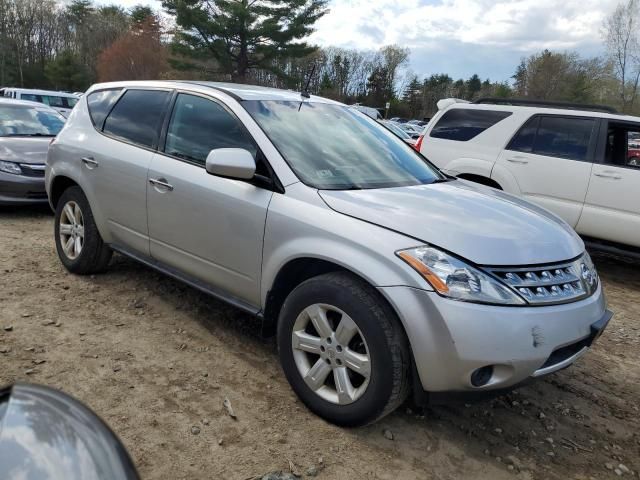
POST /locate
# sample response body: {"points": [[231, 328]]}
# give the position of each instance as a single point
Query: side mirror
{"points": [[232, 163]]}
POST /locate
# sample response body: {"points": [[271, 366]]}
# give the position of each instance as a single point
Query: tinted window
{"points": [[199, 125], [31, 97], [461, 124], [336, 147], [137, 116], [523, 141], [100, 104], [564, 137]]}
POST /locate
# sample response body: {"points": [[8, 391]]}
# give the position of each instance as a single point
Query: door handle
{"points": [[517, 160], [90, 162], [608, 175], [161, 182]]}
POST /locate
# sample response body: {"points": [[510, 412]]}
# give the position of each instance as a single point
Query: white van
{"points": [[61, 101]]}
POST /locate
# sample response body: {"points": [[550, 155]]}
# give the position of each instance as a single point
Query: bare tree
{"points": [[621, 37]]}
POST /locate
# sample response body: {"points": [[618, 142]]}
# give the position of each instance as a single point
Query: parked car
{"points": [[62, 102], [573, 160], [399, 120], [378, 273], [26, 128], [395, 128], [419, 123], [412, 130], [370, 111]]}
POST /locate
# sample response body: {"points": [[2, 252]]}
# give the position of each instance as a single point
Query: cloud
{"points": [[460, 37], [466, 36]]}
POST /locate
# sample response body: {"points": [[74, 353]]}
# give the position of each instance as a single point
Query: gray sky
{"points": [[461, 37]]}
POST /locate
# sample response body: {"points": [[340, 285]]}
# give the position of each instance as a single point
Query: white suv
{"points": [[580, 162]]}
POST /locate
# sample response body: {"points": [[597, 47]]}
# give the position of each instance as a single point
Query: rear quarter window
{"points": [[462, 124], [100, 104]]}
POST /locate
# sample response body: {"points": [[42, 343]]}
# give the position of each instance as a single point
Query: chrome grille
{"points": [[561, 283]]}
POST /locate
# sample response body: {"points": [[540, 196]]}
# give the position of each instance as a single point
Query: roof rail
{"points": [[525, 102]]}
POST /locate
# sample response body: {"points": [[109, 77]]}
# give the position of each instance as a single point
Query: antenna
{"points": [[305, 91]]}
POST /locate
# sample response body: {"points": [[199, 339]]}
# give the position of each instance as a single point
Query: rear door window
{"points": [[137, 117], [564, 137], [462, 124], [100, 104]]}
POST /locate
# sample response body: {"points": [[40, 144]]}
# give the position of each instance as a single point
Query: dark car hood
{"points": [[24, 149], [46, 435], [481, 224]]}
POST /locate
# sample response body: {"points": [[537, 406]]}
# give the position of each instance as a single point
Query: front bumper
{"points": [[450, 339], [21, 190]]}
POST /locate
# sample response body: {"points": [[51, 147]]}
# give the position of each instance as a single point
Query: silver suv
{"points": [[378, 273]]}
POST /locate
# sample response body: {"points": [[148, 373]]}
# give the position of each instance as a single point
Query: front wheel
{"points": [[78, 242], [343, 350]]}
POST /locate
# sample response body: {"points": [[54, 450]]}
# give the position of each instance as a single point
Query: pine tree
{"points": [[474, 85], [412, 96], [241, 35]]}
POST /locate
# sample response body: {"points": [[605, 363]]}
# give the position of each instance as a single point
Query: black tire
{"points": [[94, 255], [386, 342]]}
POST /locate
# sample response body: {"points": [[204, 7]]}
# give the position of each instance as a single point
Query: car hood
{"points": [[481, 224], [24, 149]]}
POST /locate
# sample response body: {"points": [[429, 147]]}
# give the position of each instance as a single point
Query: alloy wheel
{"points": [[71, 228], [331, 354]]}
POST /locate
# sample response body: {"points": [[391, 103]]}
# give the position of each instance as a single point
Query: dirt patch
{"points": [[156, 358]]}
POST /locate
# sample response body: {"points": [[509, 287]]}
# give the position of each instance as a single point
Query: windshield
{"points": [[18, 120], [334, 147]]}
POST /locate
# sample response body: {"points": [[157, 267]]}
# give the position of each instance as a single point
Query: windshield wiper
{"points": [[443, 180]]}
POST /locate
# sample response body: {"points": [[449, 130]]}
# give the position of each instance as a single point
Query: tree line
{"points": [[48, 44]]}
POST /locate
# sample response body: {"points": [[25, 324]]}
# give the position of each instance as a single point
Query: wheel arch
{"points": [[59, 184], [64, 178], [292, 274]]}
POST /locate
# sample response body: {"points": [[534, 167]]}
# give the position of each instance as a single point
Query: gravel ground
{"points": [[156, 359]]}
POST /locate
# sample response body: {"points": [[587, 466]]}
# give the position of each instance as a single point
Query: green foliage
{"points": [[242, 35], [139, 13], [66, 72], [473, 86]]}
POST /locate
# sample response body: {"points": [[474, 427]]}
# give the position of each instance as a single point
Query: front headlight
{"points": [[453, 278], [10, 167]]}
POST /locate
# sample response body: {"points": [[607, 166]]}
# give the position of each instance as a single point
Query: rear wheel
{"points": [[78, 242], [343, 350]]}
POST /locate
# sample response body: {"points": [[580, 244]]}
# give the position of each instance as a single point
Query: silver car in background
{"points": [[26, 129], [378, 273]]}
